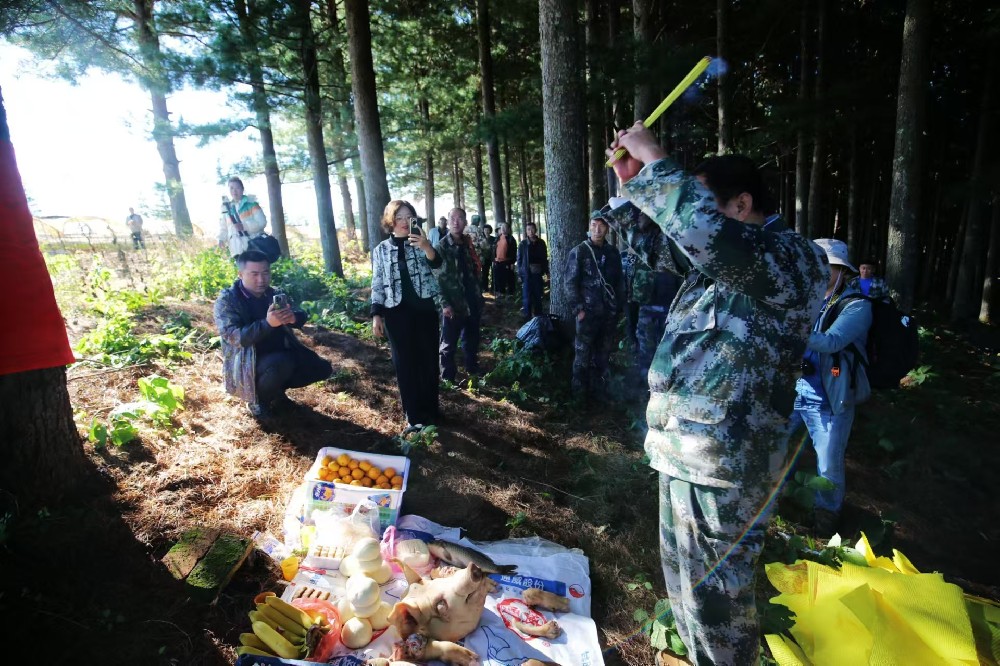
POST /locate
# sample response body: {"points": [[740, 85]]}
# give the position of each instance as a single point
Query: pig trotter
{"points": [[542, 599], [548, 630], [420, 648]]}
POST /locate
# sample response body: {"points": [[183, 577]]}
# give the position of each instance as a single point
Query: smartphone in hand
{"points": [[280, 301]]}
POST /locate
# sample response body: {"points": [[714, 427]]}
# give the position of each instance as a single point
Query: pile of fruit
{"points": [[348, 470], [282, 630]]}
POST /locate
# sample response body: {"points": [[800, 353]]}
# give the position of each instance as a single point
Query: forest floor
{"points": [[922, 469]]}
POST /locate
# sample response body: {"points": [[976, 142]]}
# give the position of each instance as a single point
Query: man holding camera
{"points": [[261, 357], [462, 299]]}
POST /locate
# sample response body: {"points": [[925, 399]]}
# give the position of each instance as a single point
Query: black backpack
{"points": [[893, 342]]}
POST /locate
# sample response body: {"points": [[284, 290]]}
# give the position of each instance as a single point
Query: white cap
{"points": [[836, 252]]}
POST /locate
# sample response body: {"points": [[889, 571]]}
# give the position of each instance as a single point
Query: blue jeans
{"points": [[531, 294], [829, 433]]}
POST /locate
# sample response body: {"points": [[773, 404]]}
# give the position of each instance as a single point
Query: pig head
{"points": [[446, 609]]}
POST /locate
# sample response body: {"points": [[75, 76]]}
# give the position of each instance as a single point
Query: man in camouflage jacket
{"points": [[596, 293], [461, 298], [722, 383], [651, 290]]}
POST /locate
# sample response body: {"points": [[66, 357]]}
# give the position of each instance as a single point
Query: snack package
{"points": [[328, 644], [408, 546]]}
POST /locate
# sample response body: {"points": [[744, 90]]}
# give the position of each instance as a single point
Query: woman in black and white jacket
{"points": [[405, 302]]}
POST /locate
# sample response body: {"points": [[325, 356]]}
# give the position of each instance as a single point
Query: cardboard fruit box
{"points": [[343, 497]]}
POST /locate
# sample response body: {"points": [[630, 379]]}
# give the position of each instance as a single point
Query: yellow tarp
{"points": [[883, 614]]}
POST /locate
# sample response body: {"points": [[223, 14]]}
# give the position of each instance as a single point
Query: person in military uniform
{"points": [[651, 289], [722, 382], [462, 300], [596, 293]]}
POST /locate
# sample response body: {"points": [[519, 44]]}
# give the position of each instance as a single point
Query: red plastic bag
{"points": [[324, 649]]}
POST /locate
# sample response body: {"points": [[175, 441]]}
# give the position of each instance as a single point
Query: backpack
{"points": [[893, 343]]}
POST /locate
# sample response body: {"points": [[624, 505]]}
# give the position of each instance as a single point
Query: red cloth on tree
{"points": [[34, 334]]}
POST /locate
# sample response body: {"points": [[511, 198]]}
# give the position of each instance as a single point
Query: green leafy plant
{"points": [[640, 580], [661, 627], [802, 488], [160, 400], [419, 439], [519, 519], [918, 376]]}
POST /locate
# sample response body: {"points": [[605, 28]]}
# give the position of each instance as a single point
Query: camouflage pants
{"points": [[651, 323], [592, 346], [708, 556]]}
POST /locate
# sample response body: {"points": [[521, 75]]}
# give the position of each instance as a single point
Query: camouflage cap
{"points": [[599, 215]]}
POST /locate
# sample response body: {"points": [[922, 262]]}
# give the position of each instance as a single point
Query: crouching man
{"points": [[261, 355]]}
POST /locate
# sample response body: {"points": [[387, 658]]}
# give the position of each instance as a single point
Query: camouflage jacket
{"points": [[595, 283], [722, 382], [240, 332], [652, 281], [458, 287]]}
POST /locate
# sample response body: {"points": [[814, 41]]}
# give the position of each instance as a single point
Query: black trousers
{"points": [[413, 339], [288, 368]]}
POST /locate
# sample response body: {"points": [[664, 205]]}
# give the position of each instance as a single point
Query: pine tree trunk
{"points": [[163, 130], [338, 133], [927, 277], [563, 120], [359, 189], [976, 231], [816, 218], [490, 111], [802, 143], [42, 454], [262, 111], [456, 196], [314, 138], [366, 116], [598, 178], [508, 195], [854, 198], [522, 172], [425, 117], [724, 82], [988, 307], [644, 31], [902, 261], [477, 158], [621, 112]]}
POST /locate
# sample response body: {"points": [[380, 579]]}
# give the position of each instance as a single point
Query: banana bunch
{"points": [[282, 630]]}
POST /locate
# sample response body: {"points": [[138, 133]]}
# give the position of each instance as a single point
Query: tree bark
{"points": [[564, 139], [724, 80], [644, 30], [425, 117], [908, 158], [854, 198], [597, 172], [990, 301], [366, 116], [339, 133], [976, 231], [816, 218], [262, 111], [41, 449], [477, 156], [359, 189], [490, 111], [156, 83], [620, 112], [314, 138], [522, 172], [508, 195], [802, 142]]}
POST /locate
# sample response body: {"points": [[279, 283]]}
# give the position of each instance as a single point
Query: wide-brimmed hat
{"points": [[836, 252]]}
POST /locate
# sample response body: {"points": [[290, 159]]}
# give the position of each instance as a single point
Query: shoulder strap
{"points": [[831, 316]]}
